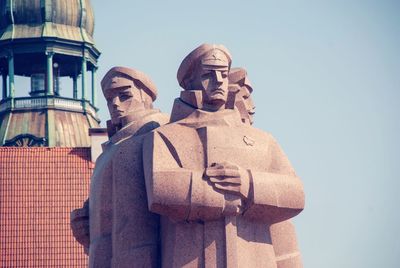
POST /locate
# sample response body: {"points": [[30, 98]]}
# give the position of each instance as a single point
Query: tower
{"points": [[41, 183], [47, 40]]}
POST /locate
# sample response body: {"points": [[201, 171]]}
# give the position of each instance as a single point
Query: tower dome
{"points": [[46, 40], [72, 19]]}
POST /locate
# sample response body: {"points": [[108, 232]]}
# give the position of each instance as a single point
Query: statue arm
{"points": [[174, 191], [277, 195], [283, 236]]}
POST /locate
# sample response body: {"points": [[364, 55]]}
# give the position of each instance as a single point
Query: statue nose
{"points": [[115, 102], [218, 77]]}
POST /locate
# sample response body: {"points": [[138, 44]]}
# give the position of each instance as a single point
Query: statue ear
{"points": [[146, 99], [231, 100], [233, 90], [188, 84], [193, 98]]}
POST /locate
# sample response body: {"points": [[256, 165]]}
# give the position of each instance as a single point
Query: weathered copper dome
{"points": [[47, 40], [65, 19]]}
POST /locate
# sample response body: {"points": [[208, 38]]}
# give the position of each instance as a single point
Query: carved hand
{"points": [[229, 178], [80, 225]]}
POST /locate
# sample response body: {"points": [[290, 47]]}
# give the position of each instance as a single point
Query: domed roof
{"points": [[66, 19]]}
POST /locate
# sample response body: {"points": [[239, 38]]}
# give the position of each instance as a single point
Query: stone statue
{"points": [[283, 234], [122, 230], [217, 182]]}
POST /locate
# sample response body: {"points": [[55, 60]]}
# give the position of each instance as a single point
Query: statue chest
{"points": [[244, 146]]}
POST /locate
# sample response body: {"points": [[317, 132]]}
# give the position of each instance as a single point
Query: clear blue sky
{"points": [[326, 78]]}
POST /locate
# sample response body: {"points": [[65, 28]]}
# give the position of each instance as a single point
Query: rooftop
{"points": [[39, 187]]}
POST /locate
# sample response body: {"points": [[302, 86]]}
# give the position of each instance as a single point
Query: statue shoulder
{"points": [[173, 135], [161, 118]]}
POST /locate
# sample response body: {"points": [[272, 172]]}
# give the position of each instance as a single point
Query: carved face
{"points": [[122, 97], [244, 102], [245, 94], [248, 102], [211, 77], [215, 86]]}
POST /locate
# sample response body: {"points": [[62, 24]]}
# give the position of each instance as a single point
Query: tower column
{"points": [[50, 90], [94, 96], [84, 70], [4, 76], [11, 83], [75, 86]]}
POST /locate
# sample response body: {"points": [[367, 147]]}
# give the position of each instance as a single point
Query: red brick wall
{"points": [[38, 189]]}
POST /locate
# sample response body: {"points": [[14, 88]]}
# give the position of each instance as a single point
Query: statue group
{"points": [[199, 188]]}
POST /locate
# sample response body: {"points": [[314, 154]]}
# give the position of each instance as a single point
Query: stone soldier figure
{"points": [[123, 233], [240, 86], [217, 183], [283, 235]]}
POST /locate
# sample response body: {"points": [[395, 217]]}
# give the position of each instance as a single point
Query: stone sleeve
{"points": [[79, 220], [277, 195], [174, 191], [205, 203], [283, 236]]}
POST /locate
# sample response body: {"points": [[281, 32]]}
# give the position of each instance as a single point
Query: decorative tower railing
{"points": [[52, 102]]}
